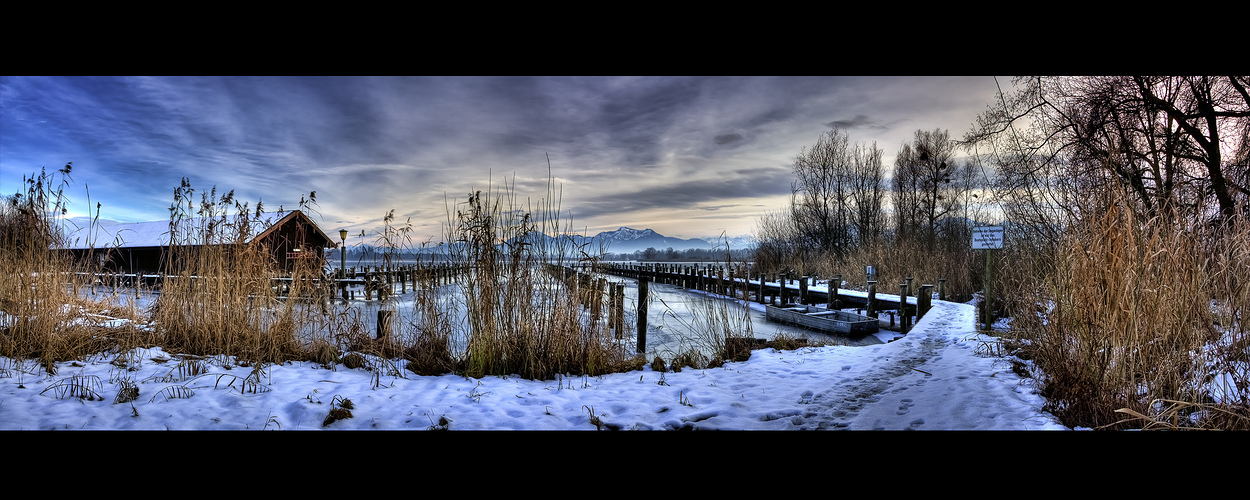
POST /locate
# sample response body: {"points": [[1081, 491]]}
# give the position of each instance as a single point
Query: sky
{"points": [[697, 156]]}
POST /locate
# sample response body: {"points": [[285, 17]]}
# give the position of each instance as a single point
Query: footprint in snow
{"points": [[806, 397], [905, 406]]}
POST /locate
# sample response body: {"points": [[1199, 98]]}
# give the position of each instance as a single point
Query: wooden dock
{"points": [[737, 281], [823, 319], [377, 281]]}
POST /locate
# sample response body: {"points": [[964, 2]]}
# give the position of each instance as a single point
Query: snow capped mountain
{"points": [[628, 234], [734, 242], [627, 240], [621, 240]]}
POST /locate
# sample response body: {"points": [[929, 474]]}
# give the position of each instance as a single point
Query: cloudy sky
{"points": [[685, 156]]}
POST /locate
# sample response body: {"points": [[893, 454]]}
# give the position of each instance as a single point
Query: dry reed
{"points": [[520, 319], [1143, 319], [218, 297], [47, 299]]}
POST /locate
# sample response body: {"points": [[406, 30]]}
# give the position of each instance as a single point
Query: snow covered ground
{"points": [[937, 377]]}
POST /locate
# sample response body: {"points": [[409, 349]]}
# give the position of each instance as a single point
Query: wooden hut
{"points": [[145, 247]]}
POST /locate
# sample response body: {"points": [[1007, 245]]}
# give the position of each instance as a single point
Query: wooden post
{"points": [[872, 299], [596, 302], [384, 322], [746, 285], [612, 309], [924, 300], [781, 288], [759, 296], [642, 315], [903, 310], [620, 310], [941, 288], [989, 289], [834, 285]]}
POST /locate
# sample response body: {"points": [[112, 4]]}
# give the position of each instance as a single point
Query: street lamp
{"points": [[343, 253]]}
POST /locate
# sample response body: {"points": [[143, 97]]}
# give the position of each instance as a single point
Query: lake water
{"points": [[677, 318]]}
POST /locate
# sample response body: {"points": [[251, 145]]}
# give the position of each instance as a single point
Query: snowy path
{"points": [[930, 378]]}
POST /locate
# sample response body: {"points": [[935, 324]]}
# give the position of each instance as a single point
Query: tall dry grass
{"points": [[217, 297], [521, 319], [49, 311], [1140, 324]]}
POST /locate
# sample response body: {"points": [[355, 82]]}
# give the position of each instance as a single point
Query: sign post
{"points": [[988, 238]]}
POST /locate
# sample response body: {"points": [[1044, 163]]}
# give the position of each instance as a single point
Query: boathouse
{"points": [[145, 247]]}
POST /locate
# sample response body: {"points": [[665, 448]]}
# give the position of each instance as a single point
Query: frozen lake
{"points": [[675, 317]]}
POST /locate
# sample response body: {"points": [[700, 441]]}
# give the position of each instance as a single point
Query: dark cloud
{"points": [[687, 194], [859, 121]]}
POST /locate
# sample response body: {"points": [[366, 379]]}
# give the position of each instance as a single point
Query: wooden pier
{"points": [[375, 281], [737, 281]]}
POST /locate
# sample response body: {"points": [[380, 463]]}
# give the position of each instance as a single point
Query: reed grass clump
{"points": [[1140, 322], [217, 295], [521, 319], [47, 304]]}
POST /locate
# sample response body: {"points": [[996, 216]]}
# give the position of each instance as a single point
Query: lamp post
{"points": [[343, 253]]}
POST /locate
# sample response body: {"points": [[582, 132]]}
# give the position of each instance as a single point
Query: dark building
{"points": [[144, 247]]}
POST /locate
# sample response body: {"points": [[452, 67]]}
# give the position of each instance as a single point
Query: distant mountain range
{"points": [[623, 240]]}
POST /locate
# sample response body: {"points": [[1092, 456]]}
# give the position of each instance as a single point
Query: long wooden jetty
{"points": [[739, 281], [378, 280]]}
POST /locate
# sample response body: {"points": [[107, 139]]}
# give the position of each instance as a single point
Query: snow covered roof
{"points": [[193, 231]]}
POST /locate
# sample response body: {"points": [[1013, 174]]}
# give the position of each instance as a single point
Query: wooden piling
{"points": [[642, 314], [924, 300], [619, 306], [596, 301], [760, 295], [872, 299], [903, 310], [781, 288], [384, 323], [834, 285]]}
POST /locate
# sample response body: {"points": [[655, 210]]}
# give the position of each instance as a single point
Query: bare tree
{"points": [[836, 203], [867, 193], [776, 239], [1176, 144], [818, 203], [922, 190]]}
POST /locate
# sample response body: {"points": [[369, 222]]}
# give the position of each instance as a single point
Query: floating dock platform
{"points": [[820, 318]]}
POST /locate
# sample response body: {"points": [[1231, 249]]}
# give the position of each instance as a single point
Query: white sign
{"points": [[987, 237]]}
